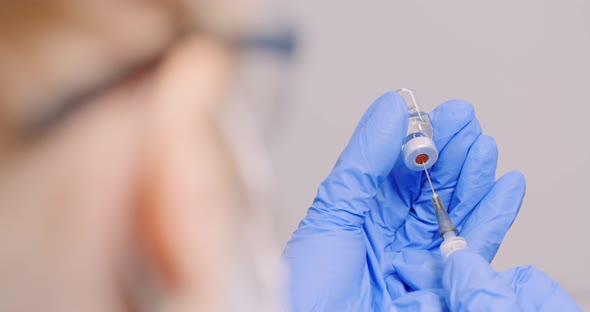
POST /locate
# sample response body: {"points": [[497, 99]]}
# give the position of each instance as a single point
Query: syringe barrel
{"points": [[418, 150]]}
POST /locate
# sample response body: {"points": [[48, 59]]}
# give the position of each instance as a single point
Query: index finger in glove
{"points": [[485, 228]]}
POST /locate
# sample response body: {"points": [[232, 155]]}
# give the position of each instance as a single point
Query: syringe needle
{"points": [[428, 177], [444, 222], [451, 242]]}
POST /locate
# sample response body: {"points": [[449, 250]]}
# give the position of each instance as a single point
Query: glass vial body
{"points": [[418, 150]]}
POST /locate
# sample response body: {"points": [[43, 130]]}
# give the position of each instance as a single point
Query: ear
{"points": [[187, 182]]}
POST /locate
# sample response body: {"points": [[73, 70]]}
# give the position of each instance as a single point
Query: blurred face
{"points": [[117, 192]]}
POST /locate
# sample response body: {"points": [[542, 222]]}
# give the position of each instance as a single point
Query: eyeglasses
{"points": [[262, 61]]}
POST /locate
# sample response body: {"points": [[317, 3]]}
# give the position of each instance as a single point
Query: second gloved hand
{"points": [[472, 285]]}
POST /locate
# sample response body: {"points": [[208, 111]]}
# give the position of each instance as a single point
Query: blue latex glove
{"points": [[472, 285], [467, 282], [371, 209]]}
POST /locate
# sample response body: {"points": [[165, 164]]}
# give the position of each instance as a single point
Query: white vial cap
{"points": [[415, 149]]}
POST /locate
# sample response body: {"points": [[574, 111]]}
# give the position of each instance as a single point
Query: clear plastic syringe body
{"points": [[419, 150]]}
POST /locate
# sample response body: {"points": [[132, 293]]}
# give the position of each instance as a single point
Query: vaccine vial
{"points": [[418, 150]]}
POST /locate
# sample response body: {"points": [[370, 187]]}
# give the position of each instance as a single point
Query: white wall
{"points": [[523, 64]]}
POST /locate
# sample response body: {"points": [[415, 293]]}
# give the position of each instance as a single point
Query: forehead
{"points": [[49, 48], [25, 21]]}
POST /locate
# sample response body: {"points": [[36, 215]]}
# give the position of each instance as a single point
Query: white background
{"points": [[523, 64]]}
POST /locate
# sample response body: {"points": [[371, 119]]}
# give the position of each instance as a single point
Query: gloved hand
{"points": [[371, 207], [472, 285], [467, 282]]}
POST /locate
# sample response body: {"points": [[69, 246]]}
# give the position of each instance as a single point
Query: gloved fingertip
{"points": [[513, 184], [516, 179], [377, 140], [486, 145], [479, 169], [387, 114], [460, 105], [458, 110], [449, 118]]}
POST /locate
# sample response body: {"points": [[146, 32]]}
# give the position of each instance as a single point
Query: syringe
{"points": [[420, 153], [448, 232]]}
